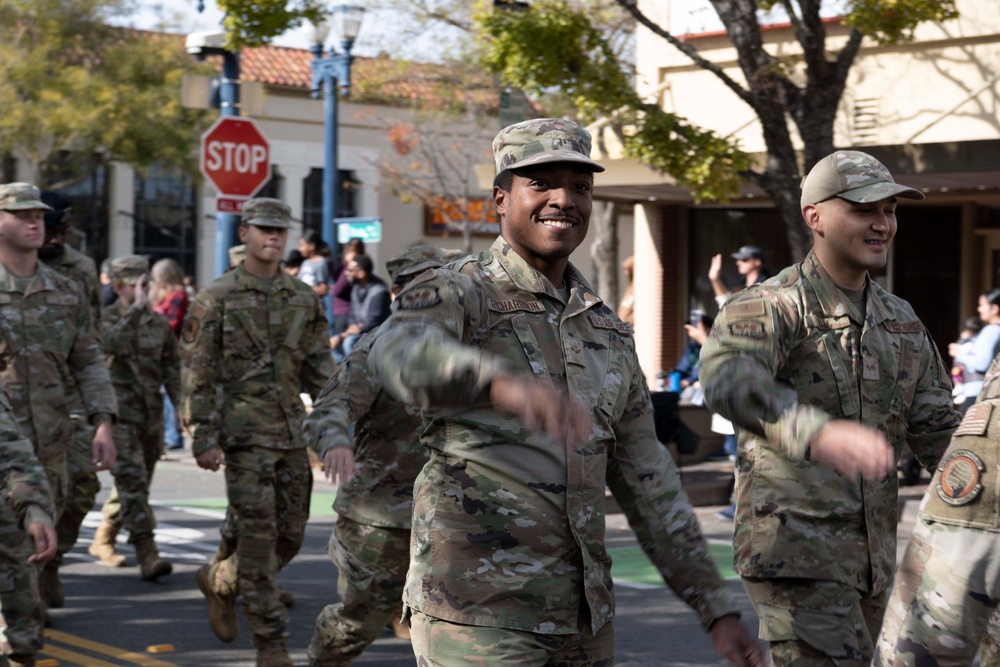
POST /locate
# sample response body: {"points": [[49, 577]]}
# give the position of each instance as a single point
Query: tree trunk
{"points": [[604, 251]]}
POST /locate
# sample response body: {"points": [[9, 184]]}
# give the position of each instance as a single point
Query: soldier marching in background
{"points": [[142, 357], [251, 340], [47, 335], [27, 538], [508, 561], [370, 544], [83, 483], [826, 377]]}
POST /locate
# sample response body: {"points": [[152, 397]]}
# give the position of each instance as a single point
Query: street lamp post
{"points": [[327, 74]]}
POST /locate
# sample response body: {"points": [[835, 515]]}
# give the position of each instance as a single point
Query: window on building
{"points": [[275, 185], [87, 192], [165, 216], [312, 199]]}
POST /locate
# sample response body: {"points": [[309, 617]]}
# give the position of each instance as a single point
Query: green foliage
{"points": [[893, 21], [256, 22], [552, 45], [71, 83]]}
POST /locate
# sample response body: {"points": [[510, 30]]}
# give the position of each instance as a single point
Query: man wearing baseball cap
{"points": [[260, 335], [53, 352], [826, 377], [534, 403]]}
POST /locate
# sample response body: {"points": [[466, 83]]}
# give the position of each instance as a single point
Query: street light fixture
{"points": [[327, 74]]}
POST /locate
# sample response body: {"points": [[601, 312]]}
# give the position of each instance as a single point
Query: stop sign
{"points": [[235, 157]]}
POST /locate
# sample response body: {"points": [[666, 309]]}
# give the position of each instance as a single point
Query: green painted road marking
{"points": [[631, 564], [321, 504]]}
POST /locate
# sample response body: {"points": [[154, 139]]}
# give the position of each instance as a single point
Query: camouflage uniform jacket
{"points": [[387, 450], [509, 528], [22, 478], [783, 359], [257, 347], [965, 490], [81, 268], [142, 356], [46, 336]]}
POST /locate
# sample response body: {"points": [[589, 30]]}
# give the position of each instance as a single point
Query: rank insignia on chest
{"points": [[747, 329], [869, 369], [960, 479], [419, 297]]}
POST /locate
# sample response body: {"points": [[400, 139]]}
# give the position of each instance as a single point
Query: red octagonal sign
{"points": [[235, 157]]}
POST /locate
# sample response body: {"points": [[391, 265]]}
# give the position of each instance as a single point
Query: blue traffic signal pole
{"points": [[229, 97], [327, 74]]}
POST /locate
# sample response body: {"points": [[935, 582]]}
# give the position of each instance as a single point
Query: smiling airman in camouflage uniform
{"points": [[251, 342], [508, 561], [796, 355], [370, 544], [944, 600], [25, 510]]}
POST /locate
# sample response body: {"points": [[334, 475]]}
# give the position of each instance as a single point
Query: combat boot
{"points": [[151, 565], [103, 546], [21, 660], [287, 598], [273, 654], [221, 612], [50, 586]]}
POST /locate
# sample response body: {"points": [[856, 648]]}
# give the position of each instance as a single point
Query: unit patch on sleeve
{"points": [[419, 297], [960, 478], [747, 329], [190, 329]]}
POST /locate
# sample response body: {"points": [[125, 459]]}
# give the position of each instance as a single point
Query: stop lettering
{"points": [[235, 157]]}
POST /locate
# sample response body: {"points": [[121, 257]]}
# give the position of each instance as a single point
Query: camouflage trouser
{"points": [[811, 623], [19, 598], [945, 594], [57, 473], [269, 492], [83, 485], [371, 572], [139, 448], [441, 643]]}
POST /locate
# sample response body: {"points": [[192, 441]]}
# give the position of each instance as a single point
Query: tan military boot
{"points": [[221, 612], [273, 654], [103, 547], [21, 660], [399, 628], [151, 565], [50, 586]]}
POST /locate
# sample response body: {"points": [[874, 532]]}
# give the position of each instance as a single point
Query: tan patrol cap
{"points": [[854, 176], [21, 197]]}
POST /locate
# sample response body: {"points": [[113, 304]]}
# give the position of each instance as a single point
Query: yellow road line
{"points": [[74, 657], [104, 649]]}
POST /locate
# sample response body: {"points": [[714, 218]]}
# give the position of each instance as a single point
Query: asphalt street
{"points": [[112, 618]]}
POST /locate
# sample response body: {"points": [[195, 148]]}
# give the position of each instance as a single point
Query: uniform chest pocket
{"points": [[822, 377], [613, 390], [245, 351], [524, 337]]}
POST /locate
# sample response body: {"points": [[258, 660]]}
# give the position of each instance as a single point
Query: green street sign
{"points": [[368, 230]]}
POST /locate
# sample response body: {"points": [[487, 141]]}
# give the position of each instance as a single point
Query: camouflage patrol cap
{"points": [[128, 268], [237, 254], [415, 260], [267, 212], [540, 141], [21, 197], [854, 176]]}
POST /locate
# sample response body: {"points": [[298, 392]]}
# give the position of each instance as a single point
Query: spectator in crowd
{"points": [[170, 299], [977, 357], [749, 264], [370, 298], [626, 309], [315, 270], [342, 286], [108, 295], [293, 263], [190, 288]]}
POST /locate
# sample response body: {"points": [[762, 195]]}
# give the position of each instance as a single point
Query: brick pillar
{"points": [[660, 267]]}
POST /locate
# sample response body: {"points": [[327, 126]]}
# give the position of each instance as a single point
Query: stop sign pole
{"points": [[229, 94]]}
